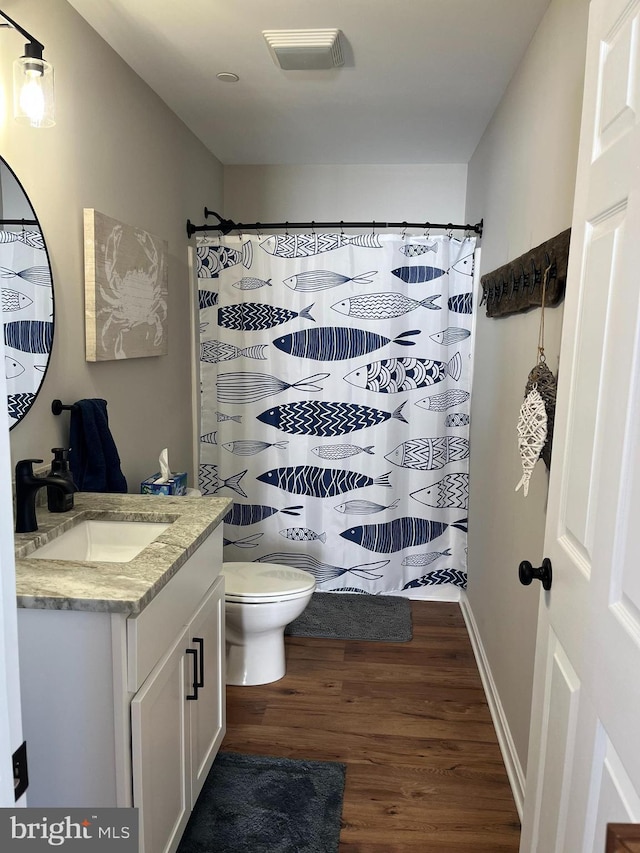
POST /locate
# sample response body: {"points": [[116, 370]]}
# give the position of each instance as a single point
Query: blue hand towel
{"points": [[93, 459]]}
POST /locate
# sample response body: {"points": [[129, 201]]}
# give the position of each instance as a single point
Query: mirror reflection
{"points": [[27, 296]]}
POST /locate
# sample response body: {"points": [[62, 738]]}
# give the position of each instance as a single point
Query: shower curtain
{"points": [[27, 316], [335, 392]]}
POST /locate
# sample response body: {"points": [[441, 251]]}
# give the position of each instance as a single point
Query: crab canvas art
{"points": [[125, 290]]}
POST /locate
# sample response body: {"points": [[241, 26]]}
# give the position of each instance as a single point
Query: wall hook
{"points": [[520, 284]]}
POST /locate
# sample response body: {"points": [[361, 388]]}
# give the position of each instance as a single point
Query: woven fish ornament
{"points": [[546, 383], [532, 434]]}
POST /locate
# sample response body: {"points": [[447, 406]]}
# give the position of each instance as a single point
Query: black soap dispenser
{"points": [[57, 500]]}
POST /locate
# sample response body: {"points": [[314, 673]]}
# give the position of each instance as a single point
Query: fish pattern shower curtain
{"points": [[27, 316], [335, 389]]}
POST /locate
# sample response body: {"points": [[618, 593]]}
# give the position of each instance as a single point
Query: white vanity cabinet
{"points": [[107, 715]]}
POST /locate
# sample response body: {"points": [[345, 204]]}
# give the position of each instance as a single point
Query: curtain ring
{"points": [[258, 231], [342, 227], [313, 227], [404, 231], [427, 230], [286, 228], [450, 231], [373, 230]]}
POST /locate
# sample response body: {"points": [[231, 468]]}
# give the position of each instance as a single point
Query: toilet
{"points": [[260, 601]]}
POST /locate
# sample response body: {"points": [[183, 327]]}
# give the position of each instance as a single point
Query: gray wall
{"points": [[117, 148], [521, 180], [351, 193]]}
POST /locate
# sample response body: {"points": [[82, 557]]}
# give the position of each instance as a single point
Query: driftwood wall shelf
{"points": [[517, 286]]}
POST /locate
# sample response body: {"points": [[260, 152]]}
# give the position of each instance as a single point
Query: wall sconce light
{"points": [[33, 101]]}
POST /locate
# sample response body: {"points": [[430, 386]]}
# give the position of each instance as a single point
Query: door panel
{"points": [[619, 94], [160, 755], [562, 704], [208, 719], [613, 798], [579, 508]]}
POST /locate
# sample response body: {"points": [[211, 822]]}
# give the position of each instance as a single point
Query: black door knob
{"points": [[527, 573]]}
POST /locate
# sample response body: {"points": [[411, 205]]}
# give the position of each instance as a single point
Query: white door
{"points": [[10, 716], [584, 757]]}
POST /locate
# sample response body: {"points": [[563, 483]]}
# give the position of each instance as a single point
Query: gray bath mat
{"points": [[263, 804], [352, 616]]}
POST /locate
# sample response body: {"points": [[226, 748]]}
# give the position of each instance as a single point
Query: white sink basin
{"points": [[101, 541]]}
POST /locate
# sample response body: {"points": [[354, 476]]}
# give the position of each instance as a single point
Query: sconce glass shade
{"points": [[33, 100]]}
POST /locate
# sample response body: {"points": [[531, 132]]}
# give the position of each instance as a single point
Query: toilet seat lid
{"points": [[258, 581]]}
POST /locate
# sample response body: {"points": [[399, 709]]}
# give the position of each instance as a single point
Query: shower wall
{"points": [[355, 192]]}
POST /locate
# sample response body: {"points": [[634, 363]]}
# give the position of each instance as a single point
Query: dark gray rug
{"points": [[262, 804], [353, 616]]}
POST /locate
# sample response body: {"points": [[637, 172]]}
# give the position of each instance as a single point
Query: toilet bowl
{"points": [[260, 601]]}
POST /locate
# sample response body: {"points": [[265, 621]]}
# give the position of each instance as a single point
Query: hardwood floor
{"points": [[411, 722]]}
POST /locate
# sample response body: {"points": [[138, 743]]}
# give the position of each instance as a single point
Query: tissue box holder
{"points": [[175, 485]]}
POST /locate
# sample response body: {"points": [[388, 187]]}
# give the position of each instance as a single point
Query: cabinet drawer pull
{"points": [[194, 652], [200, 641]]}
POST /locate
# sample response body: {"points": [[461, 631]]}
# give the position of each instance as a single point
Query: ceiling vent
{"points": [[305, 50]]}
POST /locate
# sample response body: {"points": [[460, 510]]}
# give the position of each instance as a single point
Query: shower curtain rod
{"points": [[225, 226], [19, 222]]}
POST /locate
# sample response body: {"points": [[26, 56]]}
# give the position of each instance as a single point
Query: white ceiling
{"points": [[420, 82]]}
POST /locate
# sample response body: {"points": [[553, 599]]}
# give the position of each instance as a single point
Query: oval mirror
{"points": [[27, 296]]}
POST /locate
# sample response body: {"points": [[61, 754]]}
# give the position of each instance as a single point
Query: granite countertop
{"points": [[113, 587]]}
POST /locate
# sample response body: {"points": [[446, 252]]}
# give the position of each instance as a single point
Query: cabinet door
{"points": [[207, 713], [160, 750]]}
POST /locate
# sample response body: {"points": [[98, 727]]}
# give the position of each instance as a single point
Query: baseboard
{"points": [[439, 592], [507, 746]]}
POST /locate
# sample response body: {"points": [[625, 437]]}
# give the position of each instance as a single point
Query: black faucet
{"points": [[27, 486]]}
